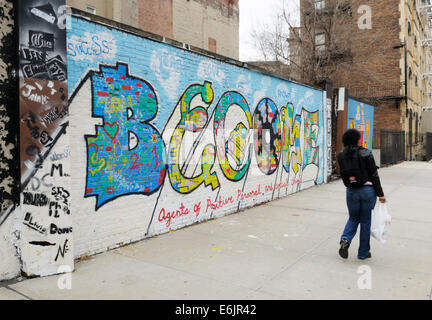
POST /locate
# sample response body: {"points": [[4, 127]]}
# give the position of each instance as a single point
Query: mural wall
{"points": [[124, 138], [164, 138], [361, 117]]}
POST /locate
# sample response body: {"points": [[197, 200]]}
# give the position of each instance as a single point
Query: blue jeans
{"points": [[361, 202]]}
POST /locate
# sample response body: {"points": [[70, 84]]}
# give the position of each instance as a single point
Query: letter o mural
{"points": [[267, 136], [236, 147]]}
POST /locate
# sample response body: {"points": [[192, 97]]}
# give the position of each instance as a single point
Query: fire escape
{"points": [[426, 12]]}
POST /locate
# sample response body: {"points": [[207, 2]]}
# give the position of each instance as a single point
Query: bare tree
{"points": [[316, 46], [321, 40], [271, 40]]}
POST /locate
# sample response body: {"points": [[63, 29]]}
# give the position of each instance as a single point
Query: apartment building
{"points": [[380, 51], [208, 24]]}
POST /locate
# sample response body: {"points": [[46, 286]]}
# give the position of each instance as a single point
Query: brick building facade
{"points": [[208, 24], [382, 63]]}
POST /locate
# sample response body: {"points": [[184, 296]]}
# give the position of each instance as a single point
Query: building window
{"points": [[91, 9], [212, 44], [409, 28], [319, 4], [320, 42], [410, 73]]}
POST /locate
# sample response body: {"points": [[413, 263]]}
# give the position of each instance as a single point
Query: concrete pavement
{"points": [[286, 249]]}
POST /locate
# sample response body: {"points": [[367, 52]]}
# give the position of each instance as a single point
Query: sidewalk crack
{"points": [[17, 292]]}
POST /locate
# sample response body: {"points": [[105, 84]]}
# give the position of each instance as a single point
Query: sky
{"points": [[257, 14]]}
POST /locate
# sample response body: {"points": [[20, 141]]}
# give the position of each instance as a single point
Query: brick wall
{"points": [[387, 117], [155, 138], [156, 16], [162, 138], [372, 71], [197, 21]]}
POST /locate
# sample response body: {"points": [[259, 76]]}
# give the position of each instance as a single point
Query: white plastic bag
{"points": [[381, 222]]}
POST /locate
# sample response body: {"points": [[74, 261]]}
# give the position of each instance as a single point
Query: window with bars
{"points": [[319, 4], [91, 9], [320, 42]]}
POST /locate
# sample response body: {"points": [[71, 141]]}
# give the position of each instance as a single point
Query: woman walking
{"points": [[360, 175]]}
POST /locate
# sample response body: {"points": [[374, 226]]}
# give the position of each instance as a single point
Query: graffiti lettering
{"points": [[57, 167], [127, 154], [32, 55], [219, 204], [167, 217], [29, 222], [57, 157], [56, 230], [62, 250], [56, 114], [61, 194], [254, 193], [237, 148], [91, 46], [267, 133], [192, 120], [41, 40], [37, 199]]}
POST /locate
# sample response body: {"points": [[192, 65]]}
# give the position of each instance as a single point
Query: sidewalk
{"points": [[287, 249]]}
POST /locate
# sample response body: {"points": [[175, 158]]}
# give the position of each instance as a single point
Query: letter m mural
{"points": [[127, 154]]}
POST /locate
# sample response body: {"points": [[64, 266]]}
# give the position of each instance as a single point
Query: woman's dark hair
{"points": [[351, 137]]}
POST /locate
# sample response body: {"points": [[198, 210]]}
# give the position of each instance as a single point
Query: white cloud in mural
{"points": [[92, 46], [208, 70], [308, 99], [166, 67], [261, 94], [309, 94], [243, 84]]}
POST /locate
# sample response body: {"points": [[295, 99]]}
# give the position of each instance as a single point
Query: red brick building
{"points": [[377, 50]]}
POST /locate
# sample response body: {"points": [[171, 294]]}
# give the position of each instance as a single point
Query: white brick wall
{"points": [[170, 72]]}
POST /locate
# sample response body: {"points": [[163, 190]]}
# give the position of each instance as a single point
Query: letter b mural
{"points": [[127, 154]]}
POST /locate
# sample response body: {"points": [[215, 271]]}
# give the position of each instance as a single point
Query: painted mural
{"points": [[127, 155], [124, 138], [361, 117], [165, 138]]}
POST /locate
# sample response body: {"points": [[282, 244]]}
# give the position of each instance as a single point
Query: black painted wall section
{"points": [[9, 110]]}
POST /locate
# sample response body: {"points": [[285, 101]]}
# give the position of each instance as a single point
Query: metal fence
{"points": [[428, 146], [392, 147]]}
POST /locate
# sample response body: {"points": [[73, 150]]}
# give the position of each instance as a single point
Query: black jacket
{"points": [[371, 168]]}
